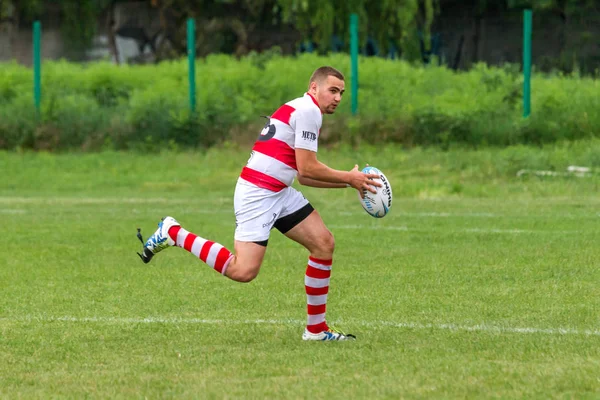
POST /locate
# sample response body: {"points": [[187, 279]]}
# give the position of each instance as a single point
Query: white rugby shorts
{"points": [[257, 210]]}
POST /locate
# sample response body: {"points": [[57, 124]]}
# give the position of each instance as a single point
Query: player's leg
{"points": [[256, 210], [305, 226], [171, 233], [312, 233], [246, 262], [243, 266]]}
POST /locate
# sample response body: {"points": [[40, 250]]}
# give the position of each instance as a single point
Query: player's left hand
{"points": [[361, 181]]}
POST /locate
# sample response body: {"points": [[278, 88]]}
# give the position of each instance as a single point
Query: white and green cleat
{"points": [[329, 334], [159, 240]]}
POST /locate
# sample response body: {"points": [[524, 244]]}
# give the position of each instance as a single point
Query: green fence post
{"points": [[37, 73], [527, 28], [354, 61], [191, 50]]}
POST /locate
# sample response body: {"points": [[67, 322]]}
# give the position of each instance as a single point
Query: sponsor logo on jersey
{"points": [[309, 136]]}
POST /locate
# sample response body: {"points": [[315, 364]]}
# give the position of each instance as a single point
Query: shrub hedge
{"points": [[100, 105]]}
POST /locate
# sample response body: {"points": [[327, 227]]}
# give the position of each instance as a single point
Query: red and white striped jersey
{"points": [[295, 125]]}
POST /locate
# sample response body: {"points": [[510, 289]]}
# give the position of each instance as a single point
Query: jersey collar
{"points": [[314, 101]]}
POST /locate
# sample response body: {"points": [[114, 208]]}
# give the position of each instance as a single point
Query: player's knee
{"points": [[327, 243], [246, 277], [248, 274]]}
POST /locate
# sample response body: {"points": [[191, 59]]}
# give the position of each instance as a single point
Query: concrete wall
{"points": [[16, 42]]}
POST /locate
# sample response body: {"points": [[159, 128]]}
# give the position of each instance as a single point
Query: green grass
{"points": [[479, 284]]}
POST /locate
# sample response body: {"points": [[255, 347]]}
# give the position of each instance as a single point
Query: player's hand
{"points": [[361, 181]]}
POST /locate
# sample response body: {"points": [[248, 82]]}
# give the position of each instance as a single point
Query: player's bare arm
{"points": [[310, 167], [303, 180]]}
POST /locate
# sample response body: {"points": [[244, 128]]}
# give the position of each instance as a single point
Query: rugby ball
{"points": [[377, 204]]}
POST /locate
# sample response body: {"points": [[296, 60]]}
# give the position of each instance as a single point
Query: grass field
{"points": [[479, 284]]}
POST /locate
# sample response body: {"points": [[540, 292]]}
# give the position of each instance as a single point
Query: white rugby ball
{"points": [[377, 204]]}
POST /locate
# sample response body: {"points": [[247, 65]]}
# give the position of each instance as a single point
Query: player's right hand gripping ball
{"points": [[377, 204]]}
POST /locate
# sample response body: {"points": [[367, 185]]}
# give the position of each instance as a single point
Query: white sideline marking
{"points": [[374, 228], [110, 200], [466, 230], [368, 324], [228, 202], [11, 211], [493, 329], [432, 214]]}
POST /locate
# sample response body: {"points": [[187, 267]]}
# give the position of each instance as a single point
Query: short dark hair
{"points": [[322, 73]]}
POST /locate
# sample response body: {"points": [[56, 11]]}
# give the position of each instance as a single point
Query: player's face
{"points": [[329, 94]]}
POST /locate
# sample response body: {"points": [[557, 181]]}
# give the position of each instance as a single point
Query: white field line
{"points": [[224, 205], [368, 324], [111, 200], [433, 214], [12, 211], [457, 231], [228, 202]]}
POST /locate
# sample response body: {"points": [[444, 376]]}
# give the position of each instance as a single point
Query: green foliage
{"points": [[99, 105], [79, 21], [389, 21], [78, 18]]}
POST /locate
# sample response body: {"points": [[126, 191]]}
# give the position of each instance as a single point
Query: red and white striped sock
{"points": [[316, 282], [213, 254]]}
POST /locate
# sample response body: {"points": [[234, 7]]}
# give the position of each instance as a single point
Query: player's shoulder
{"points": [[306, 106]]}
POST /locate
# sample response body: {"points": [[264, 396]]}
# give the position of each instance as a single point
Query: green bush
{"points": [[100, 105]]}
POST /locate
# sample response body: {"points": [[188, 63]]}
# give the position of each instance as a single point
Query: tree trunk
{"points": [[476, 38], [459, 51], [110, 31], [562, 40]]}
